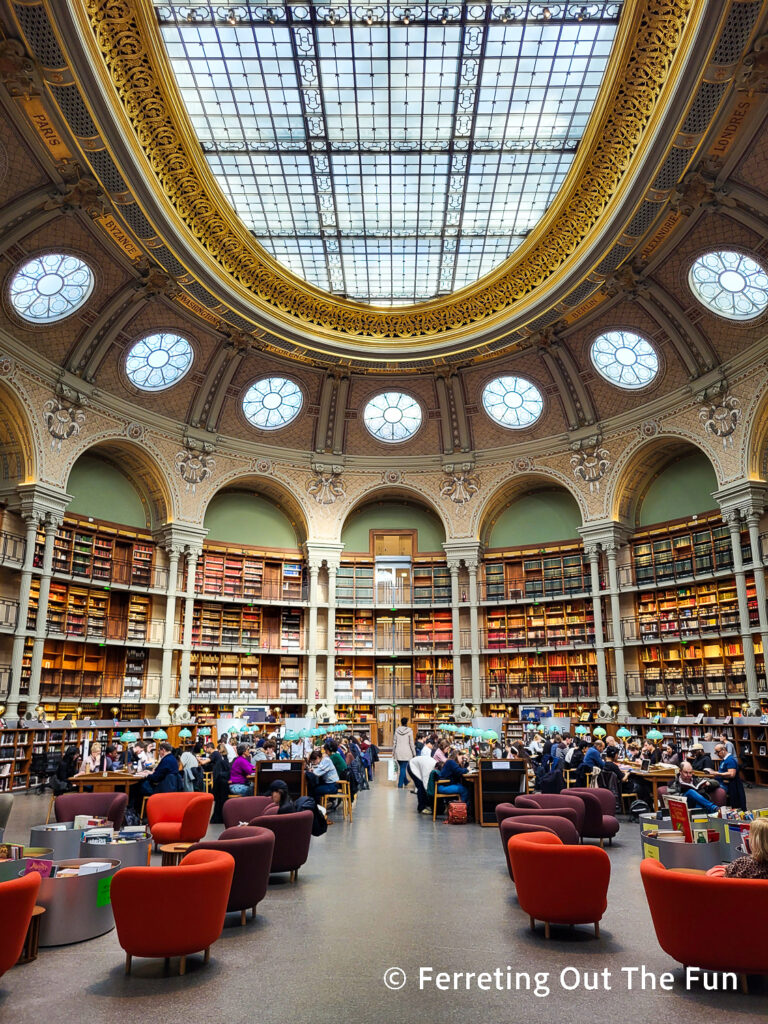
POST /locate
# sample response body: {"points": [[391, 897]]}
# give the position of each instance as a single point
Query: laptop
{"points": [[645, 764]]}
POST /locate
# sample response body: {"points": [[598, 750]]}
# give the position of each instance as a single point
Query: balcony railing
{"points": [[12, 549], [121, 573], [106, 630], [702, 626], [537, 687], [9, 615], [533, 639], [63, 684], [688, 686]]}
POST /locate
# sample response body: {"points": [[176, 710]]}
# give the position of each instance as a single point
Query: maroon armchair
{"points": [[293, 832], [515, 826], [504, 811], [252, 850], [600, 821], [100, 805], [243, 808], [554, 803]]}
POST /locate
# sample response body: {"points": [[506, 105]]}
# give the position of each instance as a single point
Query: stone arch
{"points": [[755, 449], [639, 465], [274, 490], [19, 441], [143, 468], [516, 487], [385, 492]]}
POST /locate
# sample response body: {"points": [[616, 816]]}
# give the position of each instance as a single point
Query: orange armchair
{"points": [[559, 884], [172, 911], [683, 907], [17, 901], [179, 817]]}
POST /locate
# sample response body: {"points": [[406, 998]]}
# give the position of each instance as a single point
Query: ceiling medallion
{"points": [[127, 37]]}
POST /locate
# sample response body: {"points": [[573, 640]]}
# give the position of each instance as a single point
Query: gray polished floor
{"points": [[393, 890]]}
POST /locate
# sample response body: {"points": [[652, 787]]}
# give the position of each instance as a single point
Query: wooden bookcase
{"points": [[354, 583], [431, 584], [685, 549], [527, 574], [103, 553], [353, 679], [538, 625], [238, 574]]}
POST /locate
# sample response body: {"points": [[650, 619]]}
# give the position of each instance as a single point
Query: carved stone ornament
{"points": [[721, 418], [591, 465], [325, 487], [62, 421], [752, 76], [523, 465], [649, 428], [392, 476], [3, 163], [7, 366], [460, 487], [194, 467], [156, 281], [263, 466], [697, 190], [135, 431], [16, 69], [84, 194]]}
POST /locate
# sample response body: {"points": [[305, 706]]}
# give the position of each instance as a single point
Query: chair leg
{"points": [[167, 964], [253, 911], [744, 983], [183, 965], [206, 954], [293, 876], [242, 917], [128, 959], [597, 929], [610, 841], [546, 929], [602, 842], [50, 808], [533, 924]]}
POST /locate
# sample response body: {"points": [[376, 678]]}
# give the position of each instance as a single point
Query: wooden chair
{"points": [[344, 794], [445, 796]]}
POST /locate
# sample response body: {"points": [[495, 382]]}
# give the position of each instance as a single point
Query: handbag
{"points": [[393, 770], [457, 813]]}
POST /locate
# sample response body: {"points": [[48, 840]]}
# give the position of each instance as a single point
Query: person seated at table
{"points": [[240, 769], [281, 796], [650, 753], [694, 790], [593, 758], [632, 752], [140, 756], [97, 760], [331, 749], [611, 743], [419, 769], [440, 752], [115, 755], [321, 775], [453, 771], [728, 773], [610, 756], [166, 778], [699, 759], [66, 768], [755, 864], [669, 754], [191, 772]]}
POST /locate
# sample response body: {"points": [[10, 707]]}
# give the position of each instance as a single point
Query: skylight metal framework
{"points": [[389, 153]]}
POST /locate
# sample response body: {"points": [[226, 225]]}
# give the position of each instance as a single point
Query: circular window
{"points": [[272, 403], [512, 401], [625, 359], [392, 416], [730, 284], [157, 361], [49, 288]]}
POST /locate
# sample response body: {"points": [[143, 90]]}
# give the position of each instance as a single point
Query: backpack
{"points": [[552, 781], [637, 808], [306, 803], [131, 817], [457, 813]]}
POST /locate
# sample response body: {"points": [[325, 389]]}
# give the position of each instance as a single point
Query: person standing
{"points": [[420, 768], [403, 750]]}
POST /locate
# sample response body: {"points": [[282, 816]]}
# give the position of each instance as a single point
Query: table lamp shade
{"points": [[580, 729], [185, 733], [654, 734], [599, 731], [623, 733], [159, 734]]}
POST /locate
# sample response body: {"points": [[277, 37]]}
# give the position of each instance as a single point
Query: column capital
{"points": [[466, 550], [182, 537], [747, 497], [39, 503], [319, 551], [608, 534]]}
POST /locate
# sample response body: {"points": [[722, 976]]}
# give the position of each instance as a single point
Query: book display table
{"points": [[674, 854], [64, 842], [78, 907], [131, 853]]}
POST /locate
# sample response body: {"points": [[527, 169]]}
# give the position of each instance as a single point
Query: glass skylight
{"points": [[625, 359], [392, 416], [730, 284], [512, 401], [50, 287], [391, 153], [157, 361], [273, 402]]}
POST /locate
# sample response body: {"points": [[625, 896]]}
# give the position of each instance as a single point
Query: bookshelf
{"points": [[528, 574], [685, 550], [432, 630], [237, 574], [354, 630], [353, 679], [433, 678], [537, 625], [541, 675], [354, 583], [692, 610], [431, 584], [103, 553]]}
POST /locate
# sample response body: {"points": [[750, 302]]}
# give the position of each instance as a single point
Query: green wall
{"points": [[392, 515], [682, 488], [100, 490], [541, 517], [240, 517]]}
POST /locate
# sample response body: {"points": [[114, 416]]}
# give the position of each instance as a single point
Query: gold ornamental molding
{"points": [[646, 68]]}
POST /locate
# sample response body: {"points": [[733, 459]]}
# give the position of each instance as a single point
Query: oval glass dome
{"points": [[272, 402], [156, 362], [730, 284], [513, 402], [50, 287], [392, 416], [625, 359]]}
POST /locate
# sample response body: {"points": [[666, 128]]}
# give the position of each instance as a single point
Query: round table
{"points": [[173, 852]]}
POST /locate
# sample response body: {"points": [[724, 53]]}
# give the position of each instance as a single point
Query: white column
{"points": [[474, 631], [753, 523], [455, 633], [314, 571], [618, 640], [593, 554], [733, 520], [186, 640], [25, 584], [166, 681], [330, 692], [52, 523]]}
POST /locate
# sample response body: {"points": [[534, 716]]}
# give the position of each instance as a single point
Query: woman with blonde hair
{"points": [[755, 864]]}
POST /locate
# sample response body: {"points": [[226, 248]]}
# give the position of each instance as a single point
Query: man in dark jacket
{"points": [[165, 778]]}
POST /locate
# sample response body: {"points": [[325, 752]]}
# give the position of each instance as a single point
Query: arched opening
{"points": [[530, 510], [102, 491], [392, 515], [17, 449], [666, 479], [240, 516]]}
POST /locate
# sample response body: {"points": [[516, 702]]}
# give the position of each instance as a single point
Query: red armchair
{"points": [[293, 832], [243, 808], [101, 805], [252, 850], [504, 811], [554, 803], [172, 911], [516, 826], [179, 817], [600, 821], [683, 906], [559, 884], [17, 901]]}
